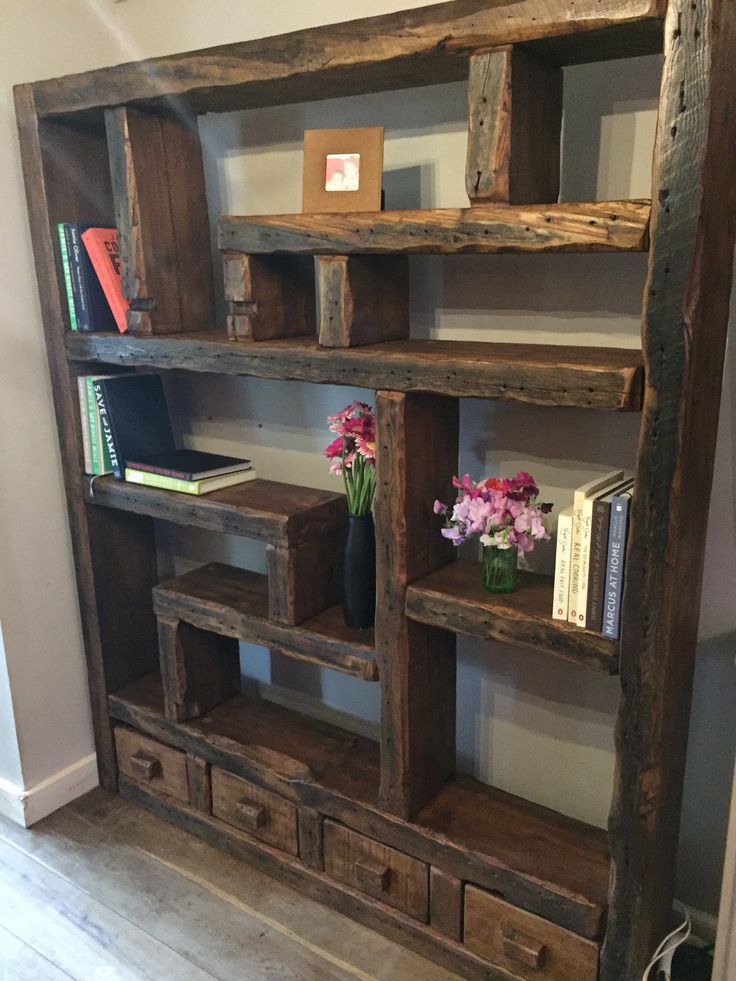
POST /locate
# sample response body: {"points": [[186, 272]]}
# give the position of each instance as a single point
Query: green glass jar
{"points": [[500, 569]]}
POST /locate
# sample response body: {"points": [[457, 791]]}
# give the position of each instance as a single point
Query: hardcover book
{"points": [[197, 487], [189, 465], [134, 418], [88, 306], [599, 555], [102, 248], [562, 565], [616, 564]]}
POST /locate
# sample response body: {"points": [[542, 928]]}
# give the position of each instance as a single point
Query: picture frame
{"points": [[343, 170]]}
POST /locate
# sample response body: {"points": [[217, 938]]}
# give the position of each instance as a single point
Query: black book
{"points": [[188, 464], [135, 419], [91, 309]]}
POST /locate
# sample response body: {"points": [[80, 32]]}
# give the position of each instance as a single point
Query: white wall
{"points": [[538, 729]]}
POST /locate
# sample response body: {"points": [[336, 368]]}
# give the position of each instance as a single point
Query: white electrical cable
{"points": [[666, 950]]}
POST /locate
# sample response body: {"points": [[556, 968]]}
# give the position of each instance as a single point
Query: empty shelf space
{"points": [[234, 603], [541, 374], [598, 226], [454, 598], [279, 514]]}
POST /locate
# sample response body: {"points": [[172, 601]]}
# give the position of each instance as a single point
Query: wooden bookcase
{"points": [[490, 885]]}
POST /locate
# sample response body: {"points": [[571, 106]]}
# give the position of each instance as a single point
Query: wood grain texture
{"points": [[538, 374], [311, 843], [598, 226], [362, 299], [279, 514], [416, 452], [199, 669], [515, 124], [269, 296], [526, 945], [423, 46], [234, 603], [305, 580], [199, 781], [161, 217], [684, 332], [168, 777], [537, 859], [446, 903], [454, 598], [278, 827]]}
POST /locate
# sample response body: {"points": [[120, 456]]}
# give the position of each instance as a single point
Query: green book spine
{"points": [[67, 276], [94, 436], [165, 483]]}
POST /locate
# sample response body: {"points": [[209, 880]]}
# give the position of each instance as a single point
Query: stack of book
{"points": [[92, 277], [126, 431], [591, 554]]}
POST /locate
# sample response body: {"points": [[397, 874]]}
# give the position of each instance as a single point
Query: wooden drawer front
{"points": [[255, 810], [525, 944], [378, 870], [148, 762]]}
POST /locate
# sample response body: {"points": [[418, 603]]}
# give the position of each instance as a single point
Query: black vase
{"points": [[359, 572]]}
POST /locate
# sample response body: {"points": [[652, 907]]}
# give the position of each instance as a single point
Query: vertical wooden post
{"points": [[305, 579], [199, 670], [417, 447], [515, 122], [161, 216], [362, 299], [684, 332], [269, 296]]}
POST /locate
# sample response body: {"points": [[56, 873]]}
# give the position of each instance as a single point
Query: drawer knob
{"points": [[522, 949], [252, 815], [144, 766], [373, 875]]}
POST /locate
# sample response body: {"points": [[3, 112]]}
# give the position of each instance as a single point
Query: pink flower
{"points": [[334, 449], [366, 446], [439, 507]]}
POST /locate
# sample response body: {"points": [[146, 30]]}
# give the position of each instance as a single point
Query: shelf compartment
{"points": [[598, 226], [535, 858], [454, 598], [541, 374], [268, 511], [234, 603]]}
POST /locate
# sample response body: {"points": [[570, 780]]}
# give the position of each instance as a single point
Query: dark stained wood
{"points": [[161, 216], [311, 845], [454, 598], [147, 761], [416, 452], [199, 669], [362, 299], [684, 332], [269, 296], [417, 47], [525, 945], [542, 861], [599, 226], [446, 903], [255, 810], [279, 514], [119, 634], [540, 374], [234, 603], [515, 114], [305, 580], [199, 781]]}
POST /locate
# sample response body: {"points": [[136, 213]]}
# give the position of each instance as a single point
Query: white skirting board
{"points": [[25, 807]]}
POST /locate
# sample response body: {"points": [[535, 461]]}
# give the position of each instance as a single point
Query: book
{"points": [[562, 565], [576, 611], [84, 418], [102, 248], [585, 548], [599, 555], [616, 564], [134, 418], [189, 465], [99, 451], [88, 306], [188, 486]]}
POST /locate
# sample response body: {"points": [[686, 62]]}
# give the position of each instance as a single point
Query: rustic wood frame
{"points": [[691, 225]]}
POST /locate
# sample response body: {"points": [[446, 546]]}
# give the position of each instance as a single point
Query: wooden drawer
{"points": [[144, 760], [255, 810], [525, 944], [377, 870]]}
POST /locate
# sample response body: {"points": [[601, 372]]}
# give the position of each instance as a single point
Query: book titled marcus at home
{"points": [[134, 418]]}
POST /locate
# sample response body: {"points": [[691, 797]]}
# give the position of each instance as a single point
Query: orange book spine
{"points": [[102, 247]]}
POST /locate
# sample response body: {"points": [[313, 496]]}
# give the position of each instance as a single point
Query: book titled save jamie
{"points": [[615, 566]]}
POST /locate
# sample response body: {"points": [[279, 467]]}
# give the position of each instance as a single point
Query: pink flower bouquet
{"points": [[503, 512], [353, 454]]}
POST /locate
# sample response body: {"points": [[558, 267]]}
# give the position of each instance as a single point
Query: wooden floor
{"points": [[101, 890]]}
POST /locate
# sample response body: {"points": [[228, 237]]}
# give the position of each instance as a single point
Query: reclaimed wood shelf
{"points": [[540, 374], [454, 598], [265, 510], [234, 603], [600, 226], [475, 831]]}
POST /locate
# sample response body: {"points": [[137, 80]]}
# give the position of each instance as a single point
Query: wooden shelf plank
{"points": [[454, 598], [424, 46], [276, 513], [599, 226], [234, 603], [541, 374], [538, 859]]}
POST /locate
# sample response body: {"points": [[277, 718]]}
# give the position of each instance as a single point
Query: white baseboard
{"points": [[25, 807]]}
